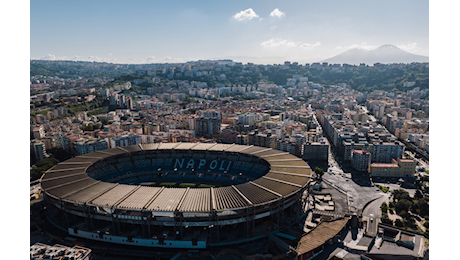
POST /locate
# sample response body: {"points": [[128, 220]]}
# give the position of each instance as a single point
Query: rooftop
{"points": [[406, 160], [319, 235], [392, 165], [364, 152]]}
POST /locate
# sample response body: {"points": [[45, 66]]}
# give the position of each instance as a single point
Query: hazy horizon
{"points": [[267, 32]]}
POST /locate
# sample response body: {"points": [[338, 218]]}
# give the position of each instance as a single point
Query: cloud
{"points": [[363, 46], [277, 13], [53, 57], [95, 58], [247, 14], [275, 42], [48, 57], [409, 47], [151, 59], [273, 27], [113, 59], [278, 42], [166, 59], [309, 45]]}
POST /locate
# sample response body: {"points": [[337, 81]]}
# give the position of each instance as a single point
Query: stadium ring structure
{"points": [[229, 194]]}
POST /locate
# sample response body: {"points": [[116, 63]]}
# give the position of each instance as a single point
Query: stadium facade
{"points": [[229, 194]]}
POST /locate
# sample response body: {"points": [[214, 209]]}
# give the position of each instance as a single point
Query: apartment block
{"points": [[38, 149], [262, 139], [208, 125], [288, 146], [39, 132], [361, 160], [242, 139], [89, 146], [125, 140], [385, 152], [316, 150]]}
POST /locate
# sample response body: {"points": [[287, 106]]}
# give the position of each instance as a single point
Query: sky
{"points": [[262, 32]]}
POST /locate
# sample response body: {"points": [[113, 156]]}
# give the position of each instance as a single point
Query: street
{"points": [[374, 209], [358, 195]]}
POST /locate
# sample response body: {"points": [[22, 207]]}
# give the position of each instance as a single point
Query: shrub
{"points": [[384, 207], [403, 204], [383, 188], [399, 223], [386, 220]]}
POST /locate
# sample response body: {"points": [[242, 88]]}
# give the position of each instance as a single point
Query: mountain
{"points": [[384, 54]]}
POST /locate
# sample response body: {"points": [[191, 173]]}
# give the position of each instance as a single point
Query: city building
{"points": [[38, 149], [242, 139], [251, 118], [262, 139], [125, 140], [212, 114], [192, 122], [398, 168], [288, 146], [316, 150], [88, 146], [385, 152], [208, 126], [39, 132], [229, 136], [361, 160]]}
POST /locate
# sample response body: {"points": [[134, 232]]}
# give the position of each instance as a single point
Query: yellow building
{"points": [[398, 168]]}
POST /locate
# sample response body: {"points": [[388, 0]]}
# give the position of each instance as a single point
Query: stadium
{"points": [[177, 195]]}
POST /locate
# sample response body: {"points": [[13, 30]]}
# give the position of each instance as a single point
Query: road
{"points": [[356, 185], [357, 195], [421, 162], [374, 209]]}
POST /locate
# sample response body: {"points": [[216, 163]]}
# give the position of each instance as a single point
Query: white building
{"points": [[124, 140], [89, 146], [250, 118], [39, 132]]}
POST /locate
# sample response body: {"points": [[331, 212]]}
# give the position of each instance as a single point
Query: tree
{"points": [[403, 204], [418, 194], [400, 194], [386, 220], [399, 223], [104, 121], [59, 153], [42, 166], [410, 222], [421, 207], [384, 207], [426, 224], [403, 214], [319, 172]]}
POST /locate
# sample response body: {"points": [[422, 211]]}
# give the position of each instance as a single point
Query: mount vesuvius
{"points": [[384, 54]]}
